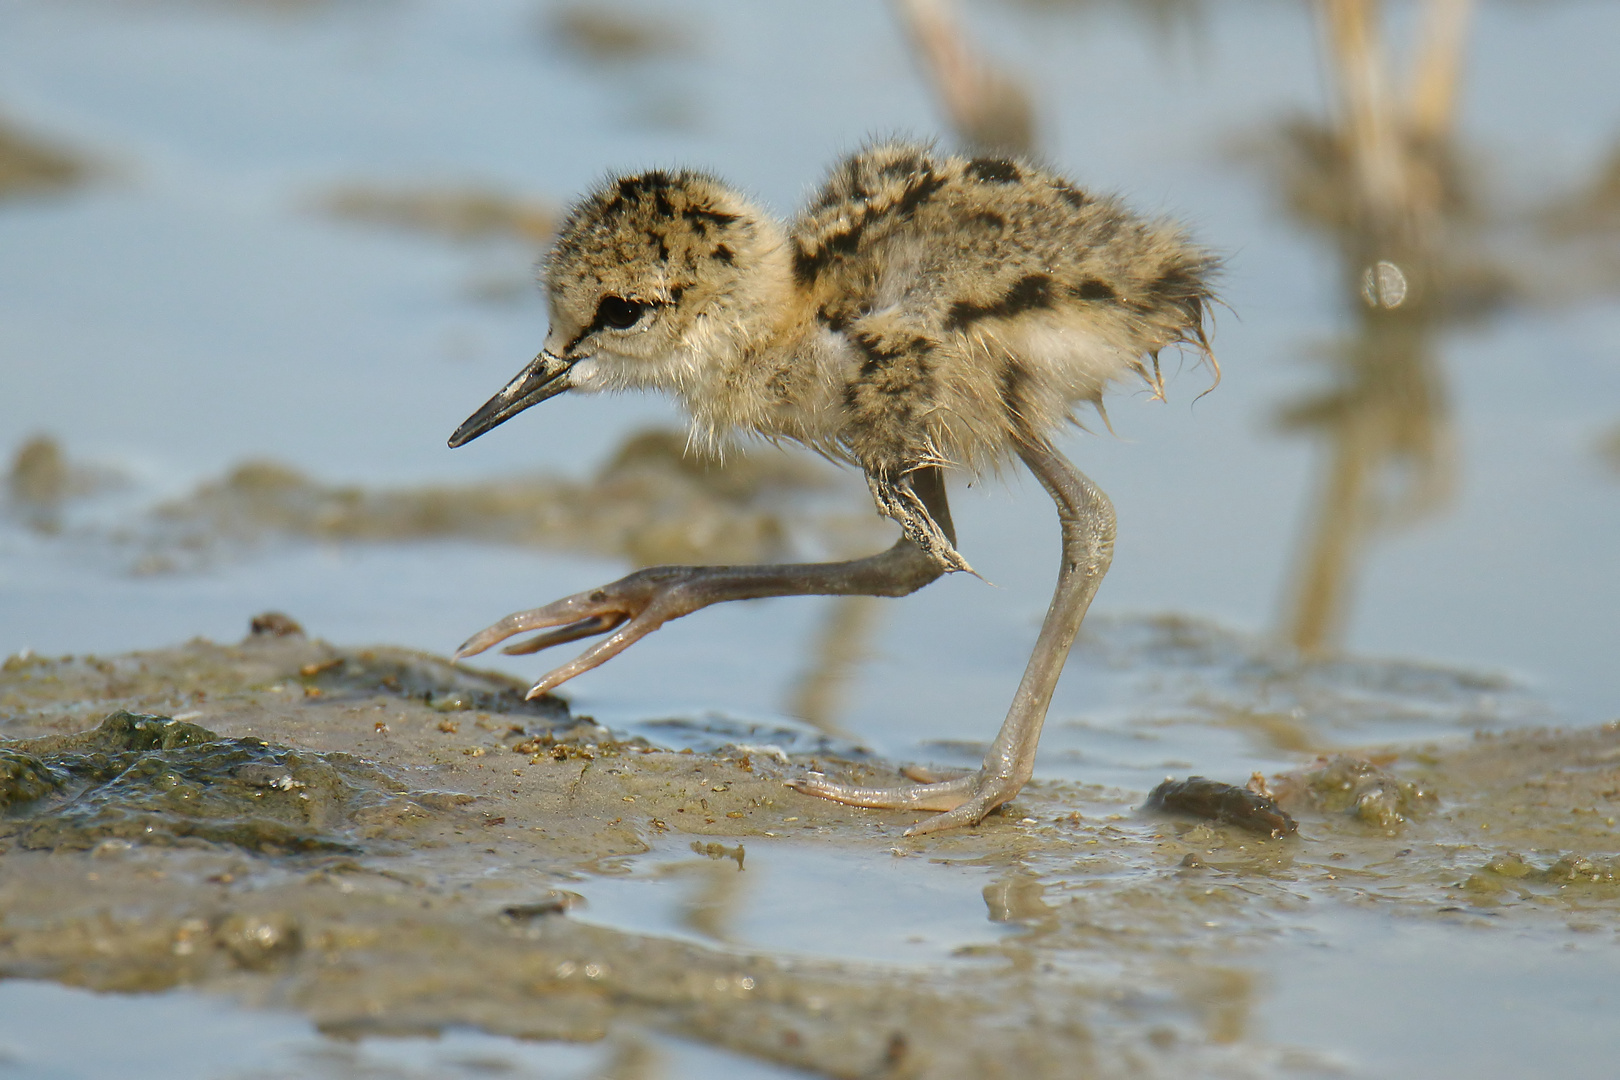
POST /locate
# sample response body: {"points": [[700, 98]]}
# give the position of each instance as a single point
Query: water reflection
{"points": [[820, 695], [1061, 912], [714, 904], [990, 110], [1582, 229], [1591, 213], [634, 1060], [1381, 181], [1168, 18], [1018, 896]]}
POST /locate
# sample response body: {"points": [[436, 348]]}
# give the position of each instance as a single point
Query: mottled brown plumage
{"points": [[925, 312]]}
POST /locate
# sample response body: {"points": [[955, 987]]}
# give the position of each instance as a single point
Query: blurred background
{"points": [[259, 258]]}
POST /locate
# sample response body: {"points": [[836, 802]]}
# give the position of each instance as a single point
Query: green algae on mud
{"points": [[162, 781], [452, 829], [1349, 785]]}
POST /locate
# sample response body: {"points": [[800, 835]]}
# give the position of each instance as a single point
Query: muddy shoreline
{"points": [[395, 844]]}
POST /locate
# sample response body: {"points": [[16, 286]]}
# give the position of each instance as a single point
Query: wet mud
{"points": [[390, 843], [649, 504], [1358, 788], [654, 501]]}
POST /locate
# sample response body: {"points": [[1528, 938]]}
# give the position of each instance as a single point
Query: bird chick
{"points": [[924, 312]]}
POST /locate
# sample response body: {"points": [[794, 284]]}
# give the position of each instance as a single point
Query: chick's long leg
{"points": [[634, 606], [1087, 518]]}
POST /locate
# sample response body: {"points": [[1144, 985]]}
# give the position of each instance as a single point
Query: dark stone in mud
{"points": [[1225, 803], [555, 902], [275, 624], [154, 780]]}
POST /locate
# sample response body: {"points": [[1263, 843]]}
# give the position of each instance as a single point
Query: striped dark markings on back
{"points": [[808, 264], [1032, 292], [1070, 194], [1093, 289], [994, 170]]}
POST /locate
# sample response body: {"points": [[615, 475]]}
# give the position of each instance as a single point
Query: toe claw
{"points": [[969, 813], [584, 628], [569, 619]]}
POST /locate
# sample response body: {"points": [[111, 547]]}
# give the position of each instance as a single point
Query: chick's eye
{"points": [[618, 313]]}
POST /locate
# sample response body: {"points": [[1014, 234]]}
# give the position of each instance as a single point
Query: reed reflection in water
{"points": [[1381, 180], [989, 110]]}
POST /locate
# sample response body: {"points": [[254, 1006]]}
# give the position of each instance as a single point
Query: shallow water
{"points": [[192, 305], [1488, 990], [181, 1036]]}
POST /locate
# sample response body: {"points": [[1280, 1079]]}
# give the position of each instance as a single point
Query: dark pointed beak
{"points": [[546, 377]]}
